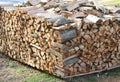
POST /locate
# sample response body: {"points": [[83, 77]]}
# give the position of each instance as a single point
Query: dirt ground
{"points": [[13, 71], [6, 71]]}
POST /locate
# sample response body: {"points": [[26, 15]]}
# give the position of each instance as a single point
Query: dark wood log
{"points": [[66, 35], [62, 21], [118, 11], [53, 20], [51, 4], [79, 15], [75, 5], [70, 60]]}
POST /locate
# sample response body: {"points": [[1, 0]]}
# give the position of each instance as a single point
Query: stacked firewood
{"points": [[2, 47], [0, 19], [64, 39]]}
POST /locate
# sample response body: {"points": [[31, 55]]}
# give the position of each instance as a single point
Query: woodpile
{"points": [[2, 47], [0, 19], [65, 39]]}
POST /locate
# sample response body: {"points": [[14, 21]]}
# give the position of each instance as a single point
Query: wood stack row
{"points": [[28, 39], [64, 39], [2, 47], [0, 19]]}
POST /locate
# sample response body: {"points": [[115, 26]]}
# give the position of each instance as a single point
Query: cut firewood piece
{"points": [[59, 68], [35, 2], [117, 15], [94, 19], [112, 8], [35, 35], [75, 4], [50, 50], [66, 13], [58, 45], [51, 4], [73, 56], [55, 18], [118, 19], [79, 23], [106, 22], [108, 16], [29, 8], [39, 10], [60, 73], [65, 26], [70, 60], [9, 8], [21, 4], [79, 15], [35, 46], [57, 9], [6, 4], [47, 15], [62, 27], [70, 49], [63, 7], [86, 8], [87, 37], [94, 12], [118, 11], [65, 35], [61, 21]]}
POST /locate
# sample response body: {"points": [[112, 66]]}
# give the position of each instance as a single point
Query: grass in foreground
{"points": [[41, 77], [111, 2]]}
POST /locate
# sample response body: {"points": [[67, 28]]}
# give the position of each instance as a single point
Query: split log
{"points": [[94, 19], [62, 36]]}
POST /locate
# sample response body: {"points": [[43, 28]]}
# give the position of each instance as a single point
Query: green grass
{"points": [[86, 78], [91, 79], [114, 72], [12, 64], [21, 69], [41, 77], [112, 2], [31, 75]]}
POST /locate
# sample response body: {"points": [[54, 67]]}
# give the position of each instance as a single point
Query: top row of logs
{"points": [[67, 14]]}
